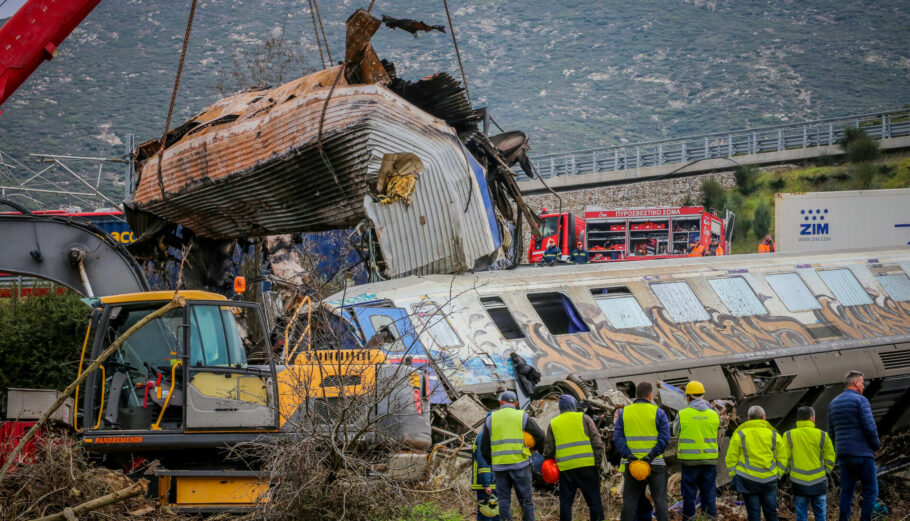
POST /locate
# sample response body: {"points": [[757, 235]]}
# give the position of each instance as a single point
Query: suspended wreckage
{"points": [[330, 150]]}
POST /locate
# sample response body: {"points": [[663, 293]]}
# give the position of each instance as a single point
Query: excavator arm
{"points": [[68, 251], [32, 36]]}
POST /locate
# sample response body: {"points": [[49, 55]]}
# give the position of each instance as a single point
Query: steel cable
{"points": [[316, 33], [325, 41], [464, 79]]}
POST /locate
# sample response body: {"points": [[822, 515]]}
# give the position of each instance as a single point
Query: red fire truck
{"points": [[634, 233]]}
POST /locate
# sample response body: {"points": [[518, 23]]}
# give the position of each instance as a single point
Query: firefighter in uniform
{"points": [[510, 456], [579, 255], [641, 435], [482, 481], [573, 440], [551, 254], [811, 457], [696, 426], [756, 459]]}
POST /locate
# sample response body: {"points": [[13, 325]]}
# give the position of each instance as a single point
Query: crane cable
{"points": [[170, 110], [325, 40], [316, 33], [370, 9], [464, 79]]}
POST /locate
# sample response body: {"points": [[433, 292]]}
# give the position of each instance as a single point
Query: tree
{"points": [[858, 146], [712, 195], [745, 179], [761, 220]]}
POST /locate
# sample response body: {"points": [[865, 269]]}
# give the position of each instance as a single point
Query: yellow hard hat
{"points": [[529, 441], [640, 470], [694, 387]]}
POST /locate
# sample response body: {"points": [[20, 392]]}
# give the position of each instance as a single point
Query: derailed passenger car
{"points": [[333, 149], [776, 330]]}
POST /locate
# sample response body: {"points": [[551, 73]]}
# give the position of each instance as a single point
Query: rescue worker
{"points": [[811, 457], [696, 426], [855, 437], [715, 249], [579, 255], [551, 254], [642, 432], [767, 245], [698, 250], [482, 478], [756, 459], [573, 440], [511, 459]]}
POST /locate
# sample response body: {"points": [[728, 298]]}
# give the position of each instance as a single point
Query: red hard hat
{"points": [[550, 471]]}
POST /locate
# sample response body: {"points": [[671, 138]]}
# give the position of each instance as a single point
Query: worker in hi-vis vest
{"points": [[574, 442], [641, 434], [756, 459], [482, 482], [811, 458], [505, 448], [696, 426]]}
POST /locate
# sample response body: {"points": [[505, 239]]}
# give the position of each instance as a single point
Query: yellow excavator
{"points": [[191, 384]]}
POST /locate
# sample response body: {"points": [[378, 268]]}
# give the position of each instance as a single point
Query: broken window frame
{"points": [[565, 300], [623, 295], [683, 314], [784, 299], [849, 291], [751, 291], [435, 319], [502, 311]]}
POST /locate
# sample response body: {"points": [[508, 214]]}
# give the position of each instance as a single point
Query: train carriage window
{"points": [[680, 302], [846, 289], [738, 296], [896, 286], [793, 291], [620, 307], [558, 313], [428, 317], [502, 317]]}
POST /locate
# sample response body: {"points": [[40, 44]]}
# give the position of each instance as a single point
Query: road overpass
{"points": [[710, 152]]}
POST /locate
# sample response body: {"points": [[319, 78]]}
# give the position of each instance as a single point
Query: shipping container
{"points": [[824, 221]]}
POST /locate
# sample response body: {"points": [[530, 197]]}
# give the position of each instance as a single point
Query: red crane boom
{"points": [[32, 36]]}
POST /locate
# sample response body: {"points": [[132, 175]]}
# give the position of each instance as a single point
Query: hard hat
{"points": [[549, 471], [529, 441], [694, 387], [640, 470], [489, 507]]}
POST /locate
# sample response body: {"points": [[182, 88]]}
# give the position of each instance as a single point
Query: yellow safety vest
{"points": [[756, 453], [507, 442], [573, 446], [697, 434], [639, 421], [811, 452]]}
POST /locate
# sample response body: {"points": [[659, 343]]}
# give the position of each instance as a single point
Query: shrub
{"points": [[687, 201], [824, 160], [741, 228], [778, 184], [40, 341], [863, 175], [761, 220], [712, 195], [745, 179], [858, 147], [734, 200]]}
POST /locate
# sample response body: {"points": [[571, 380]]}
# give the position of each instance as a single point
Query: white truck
{"points": [[822, 221]]}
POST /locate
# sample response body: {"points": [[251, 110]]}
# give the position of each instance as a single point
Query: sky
{"points": [[8, 7]]}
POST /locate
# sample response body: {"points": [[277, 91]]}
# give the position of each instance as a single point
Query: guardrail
{"points": [[809, 134]]}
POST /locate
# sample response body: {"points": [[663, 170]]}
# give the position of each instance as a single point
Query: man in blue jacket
{"points": [[852, 429]]}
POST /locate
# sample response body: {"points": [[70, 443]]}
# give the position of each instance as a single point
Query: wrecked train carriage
{"points": [[255, 164], [775, 330]]}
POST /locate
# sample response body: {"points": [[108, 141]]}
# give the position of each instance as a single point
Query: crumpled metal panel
{"points": [[261, 173]]}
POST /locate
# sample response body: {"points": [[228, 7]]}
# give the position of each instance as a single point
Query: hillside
{"points": [[573, 74]]}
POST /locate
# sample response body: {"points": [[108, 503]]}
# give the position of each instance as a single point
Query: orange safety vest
{"points": [[697, 251], [766, 248], [719, 251]]}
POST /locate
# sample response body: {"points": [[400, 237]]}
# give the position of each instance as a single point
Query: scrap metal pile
{"points": [[336, 147]]}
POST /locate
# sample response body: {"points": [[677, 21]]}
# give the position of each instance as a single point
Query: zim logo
{"points": [[813, 222]]}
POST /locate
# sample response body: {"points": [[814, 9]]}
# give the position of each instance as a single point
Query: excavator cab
{"points": [[175, 382]]}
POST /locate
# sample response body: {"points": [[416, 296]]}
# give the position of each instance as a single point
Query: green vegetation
{"points": [[890, 172], [761, 220], [858, 147], [430, 512], [40, 341]]}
